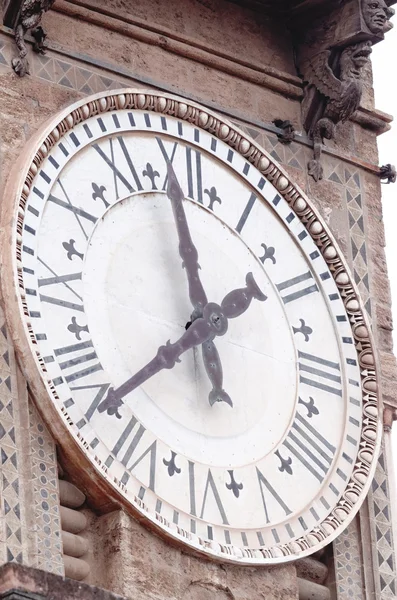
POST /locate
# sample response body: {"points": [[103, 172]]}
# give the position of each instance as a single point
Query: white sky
{"points": [[385, 84]]}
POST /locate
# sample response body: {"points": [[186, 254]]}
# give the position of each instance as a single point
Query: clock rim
{"points": [[102, 493]]}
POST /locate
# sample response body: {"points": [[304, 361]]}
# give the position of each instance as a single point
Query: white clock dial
{"points": [[234, 426]]}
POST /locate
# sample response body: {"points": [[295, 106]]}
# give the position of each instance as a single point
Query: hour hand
{"points": [[187, 250], [205, 328]]}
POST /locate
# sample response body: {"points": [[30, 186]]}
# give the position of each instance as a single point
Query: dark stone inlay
{"points": [[276, 199], [290, 218], [74, 139], [30, 229], [44, 175], [53, 162], [276, 536], [33, 210], [87, 130], [101, 124], [38, 193], [64, 150], [333, 489]]}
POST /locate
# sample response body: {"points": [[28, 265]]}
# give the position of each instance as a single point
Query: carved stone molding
{"points": [[331, 58], [29, 18]]}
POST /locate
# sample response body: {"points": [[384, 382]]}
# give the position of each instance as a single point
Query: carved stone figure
{"points": [[287, 134], [388, 173], [341, 91], [376, 15], [29, 18]]}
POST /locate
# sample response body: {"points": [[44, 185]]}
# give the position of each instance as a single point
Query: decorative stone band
{"points": [[359, 483]]}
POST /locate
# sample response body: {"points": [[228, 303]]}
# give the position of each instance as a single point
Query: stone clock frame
{"points": [[102, 494]]}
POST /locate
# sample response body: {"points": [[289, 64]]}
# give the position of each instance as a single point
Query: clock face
{"points": [[188, 328]]}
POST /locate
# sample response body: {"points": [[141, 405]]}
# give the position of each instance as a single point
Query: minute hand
{"points": [[213, 323], [187, 250]]}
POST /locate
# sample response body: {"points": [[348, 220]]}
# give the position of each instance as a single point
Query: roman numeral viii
{"points": [[320, 373], [126, 446], [270, 496], [311, 448]]}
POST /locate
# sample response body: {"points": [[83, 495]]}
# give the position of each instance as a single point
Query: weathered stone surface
{"points": [[312, 569], [24, 583], [312, 591], [133, 562]]}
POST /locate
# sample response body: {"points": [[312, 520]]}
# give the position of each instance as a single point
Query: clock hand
{"points": [[213, 366], [187, 250], [213, 323], [188, 253]]}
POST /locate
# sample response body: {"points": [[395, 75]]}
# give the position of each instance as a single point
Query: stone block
{"points": [[18, 582]]}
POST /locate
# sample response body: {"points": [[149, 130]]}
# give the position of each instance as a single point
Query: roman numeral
{"points": [[210, 484], [59, 279], [79, 213], [64, 280], [319, 373], [62, 303], [194, 175], [266, 488], [126, 446], [74, 358], [310, 447], [297, 287], [246, 213], [101, 388], [167, 157], [210, 491], [118, 175]]}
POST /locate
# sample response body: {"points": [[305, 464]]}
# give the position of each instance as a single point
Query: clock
{"points": [[189, 329]]}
